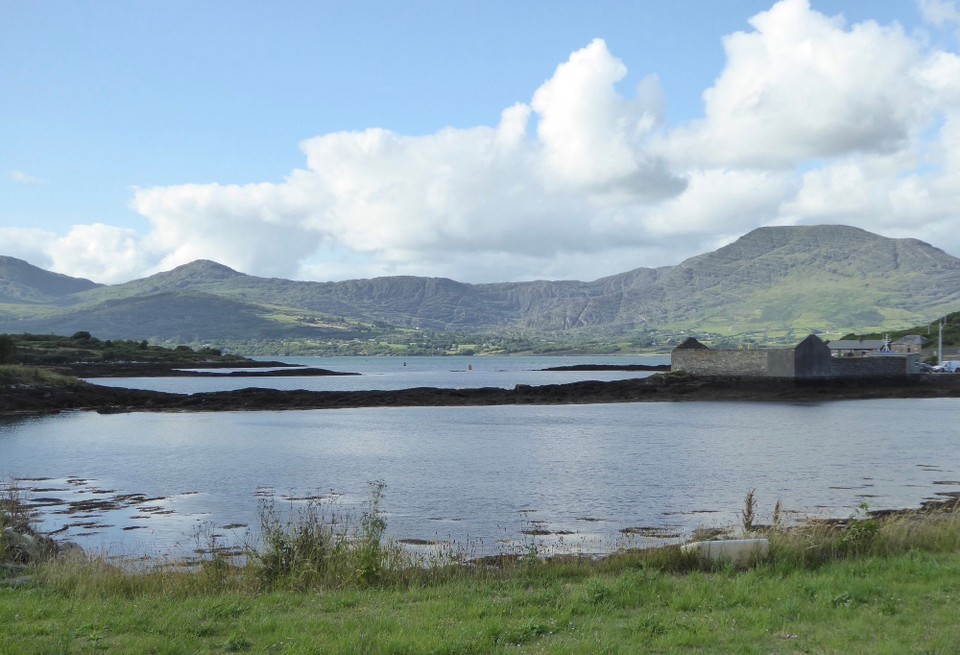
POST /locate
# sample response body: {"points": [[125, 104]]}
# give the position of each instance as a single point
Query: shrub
{"points": [[8, 348], [317, 545], [860, 532]]}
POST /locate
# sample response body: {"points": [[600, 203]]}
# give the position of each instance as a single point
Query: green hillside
{"points": [[775, 284], [47, 349], [930, 331]]}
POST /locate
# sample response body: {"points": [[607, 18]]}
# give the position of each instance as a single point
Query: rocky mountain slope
{"points": [[778, 280], [21, 282]]}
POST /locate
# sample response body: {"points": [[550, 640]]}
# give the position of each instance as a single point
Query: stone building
{"points": [[912, 343], [810, 359]]}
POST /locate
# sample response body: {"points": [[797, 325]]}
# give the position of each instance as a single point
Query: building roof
{"points": [[857, 344], [910, 340], [690, 344], [811, 340]]}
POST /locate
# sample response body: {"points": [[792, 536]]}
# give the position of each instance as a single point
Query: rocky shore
{"points": [[22, 547], [209, 369], [671, 387]]}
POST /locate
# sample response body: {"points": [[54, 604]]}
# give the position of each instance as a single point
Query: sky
{"points": [[485, 142]]}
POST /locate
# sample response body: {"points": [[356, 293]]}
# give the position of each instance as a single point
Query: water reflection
{"points": [[390, 373], [591, 476]]}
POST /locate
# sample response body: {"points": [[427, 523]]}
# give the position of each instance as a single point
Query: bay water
{"points": [[572, 478]]}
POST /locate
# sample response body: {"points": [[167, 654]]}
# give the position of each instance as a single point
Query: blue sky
{"points": [[479, 141]]}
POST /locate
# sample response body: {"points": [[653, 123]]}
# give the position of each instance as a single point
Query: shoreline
{"points": [[23, 520], [671, 387], [246, 368]]}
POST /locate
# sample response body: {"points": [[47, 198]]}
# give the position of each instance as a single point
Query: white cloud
{"points": [[23, 178], [98, 252], [250, 228], [810, 120], [441, 203], [939, 12], [30, 244], [591, 135], [800, 86]]}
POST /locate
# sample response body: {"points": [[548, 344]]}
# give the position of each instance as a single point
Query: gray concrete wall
{"points": [[869, 366], [813, 359], [781, 363]]}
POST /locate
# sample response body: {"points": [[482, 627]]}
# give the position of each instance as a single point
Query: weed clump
{"points": [[316, 545], [748, 511]]}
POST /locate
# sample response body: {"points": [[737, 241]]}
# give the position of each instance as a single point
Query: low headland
{"points": [[44, 372], [38, 390]]}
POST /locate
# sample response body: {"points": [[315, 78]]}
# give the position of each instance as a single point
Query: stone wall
{"points": [[810, 359], [702, 361]]}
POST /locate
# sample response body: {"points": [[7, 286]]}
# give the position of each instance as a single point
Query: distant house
{"points": [[859, 347], [910, 344]]}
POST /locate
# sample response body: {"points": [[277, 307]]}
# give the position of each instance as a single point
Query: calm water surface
{"points": [[389, 373], [480, 476]]}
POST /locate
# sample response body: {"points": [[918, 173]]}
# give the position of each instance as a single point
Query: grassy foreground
{"points": [[870, 586], [906, 603]]}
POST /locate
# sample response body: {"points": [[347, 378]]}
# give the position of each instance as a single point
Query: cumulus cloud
{"points": [[590, 135], [98, 252], [439, 204], [803, 86], [29, 244], [810, 120], [258, 227]]}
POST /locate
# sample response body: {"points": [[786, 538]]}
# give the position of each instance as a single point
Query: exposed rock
{"points": [[26, 547], [669, 387], [22, 546], [191, 369], [611, 367]]}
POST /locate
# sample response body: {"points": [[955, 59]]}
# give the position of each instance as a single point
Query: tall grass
{"points": [[317, 545], [14, 516]]}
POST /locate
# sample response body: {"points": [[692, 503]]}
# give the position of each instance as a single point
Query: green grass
{"points": [[32, 375], [316, 585], [890, 604], [47, 349]]}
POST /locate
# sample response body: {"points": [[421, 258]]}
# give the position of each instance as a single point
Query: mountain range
{"points": [[787, 281]]}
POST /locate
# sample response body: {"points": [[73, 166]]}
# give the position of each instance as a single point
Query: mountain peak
{"points": [[206, 266], [199, 275], [22, 281], [199, 270]]}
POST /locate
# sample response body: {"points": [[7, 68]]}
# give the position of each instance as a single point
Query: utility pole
{"points": [[940, 343]]}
